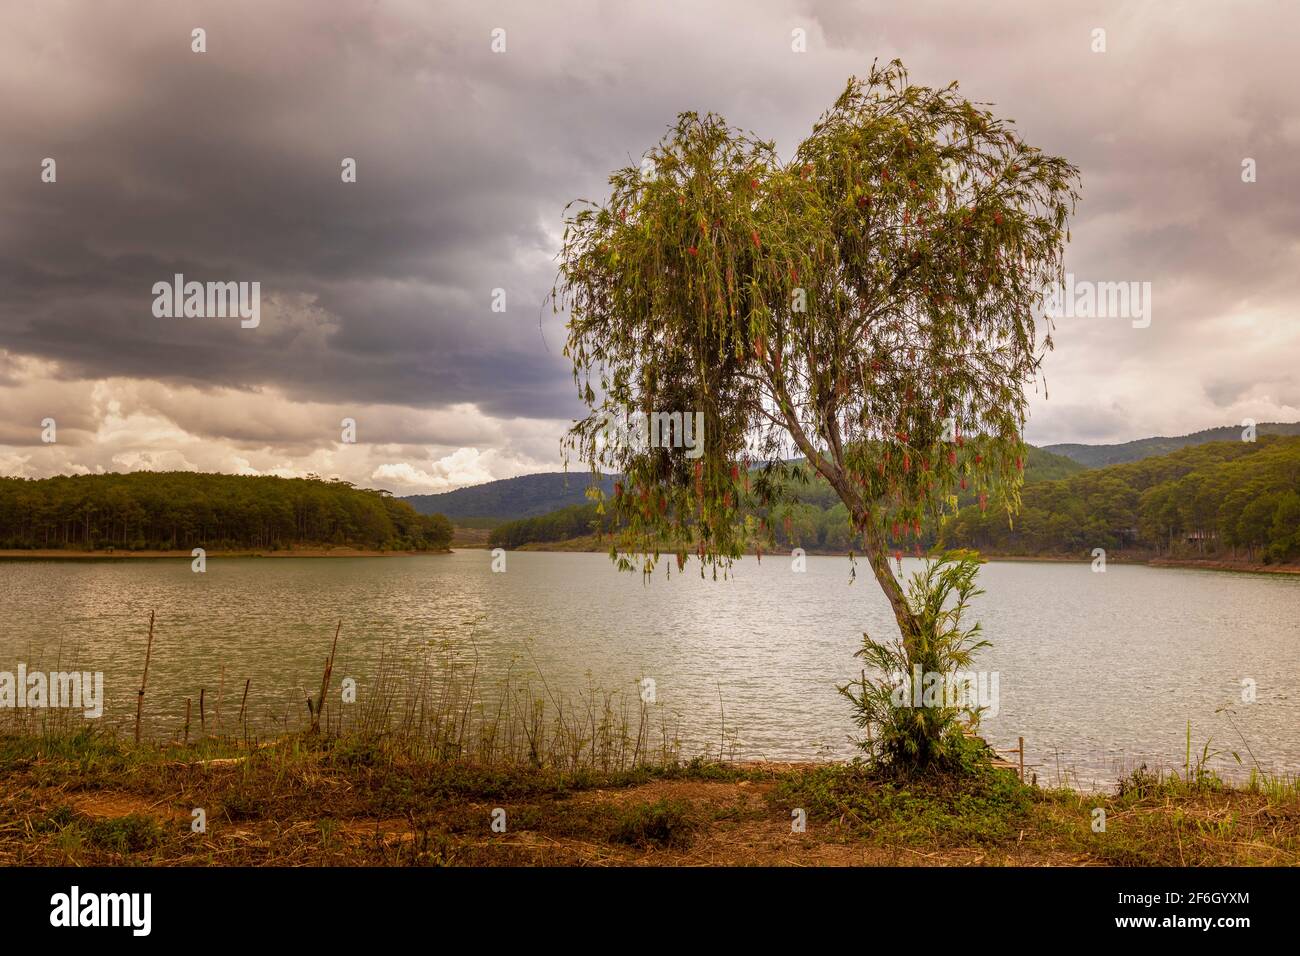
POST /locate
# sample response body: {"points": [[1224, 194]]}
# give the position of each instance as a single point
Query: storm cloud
{"points": [[377, 295]]}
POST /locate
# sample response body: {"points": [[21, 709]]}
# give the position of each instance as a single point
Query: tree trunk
{"points": [[878, 558], [876, 552]]}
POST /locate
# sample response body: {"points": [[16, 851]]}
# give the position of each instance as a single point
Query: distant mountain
{"points": [[1097, 456], [1043, 465], [531, 496], [524, 497]]}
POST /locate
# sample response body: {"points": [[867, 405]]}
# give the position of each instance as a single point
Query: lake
{"points": [[1098, 671]]}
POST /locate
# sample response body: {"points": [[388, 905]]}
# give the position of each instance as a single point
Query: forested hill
{"points": [[183, 510], [1230, 500], [1224, 501], [522, 497], [542, 495], [1096, 456], [820, 521]]}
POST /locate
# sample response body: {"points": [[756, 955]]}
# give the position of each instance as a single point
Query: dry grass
{"points": [[92, 800]]}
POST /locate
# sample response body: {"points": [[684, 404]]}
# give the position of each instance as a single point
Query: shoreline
{"points": [[589, 546], [42, 554], [583, 546]]}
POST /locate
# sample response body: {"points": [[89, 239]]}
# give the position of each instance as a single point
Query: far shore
{"points": [[43, 553], [588, 543]]}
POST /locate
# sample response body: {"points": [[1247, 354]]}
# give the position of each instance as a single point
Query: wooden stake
{"points": [[1022, 759], [245, 700], [139, 697]]}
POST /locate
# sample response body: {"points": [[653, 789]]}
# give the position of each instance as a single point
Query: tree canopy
{"points": [[867, 304]]}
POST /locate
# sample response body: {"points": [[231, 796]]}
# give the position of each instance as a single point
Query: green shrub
{"points": [[128, 834], [663, 823], [900, 734]]}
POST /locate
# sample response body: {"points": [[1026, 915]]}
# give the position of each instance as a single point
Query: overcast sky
{"points": [[376, 296]]}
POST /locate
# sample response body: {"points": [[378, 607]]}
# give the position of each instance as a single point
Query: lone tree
{"points": [[866, 306]]}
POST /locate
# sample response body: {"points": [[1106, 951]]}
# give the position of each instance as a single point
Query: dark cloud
{"points": [[225, 166]]}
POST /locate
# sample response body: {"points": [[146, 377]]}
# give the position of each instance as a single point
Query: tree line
{"points": [[182, 510], [1226, 500], [1223, 500], [815, 520]]}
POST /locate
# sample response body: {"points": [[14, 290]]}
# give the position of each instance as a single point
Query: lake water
{"points": [[1099, 672]]}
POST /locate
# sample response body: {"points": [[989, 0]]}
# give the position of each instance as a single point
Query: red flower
{"points": [[693, 251], [754, 236]]}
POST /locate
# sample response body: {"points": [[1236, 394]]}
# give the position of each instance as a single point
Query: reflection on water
{"points": [[1098, 672]]}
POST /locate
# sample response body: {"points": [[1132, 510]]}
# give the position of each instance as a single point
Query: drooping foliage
{"points": [[867, 304]]}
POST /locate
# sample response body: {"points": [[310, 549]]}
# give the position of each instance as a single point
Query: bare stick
{"points": [[139, 698], [325, 682], [187, 720], [221, 693], [245, 700]]}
